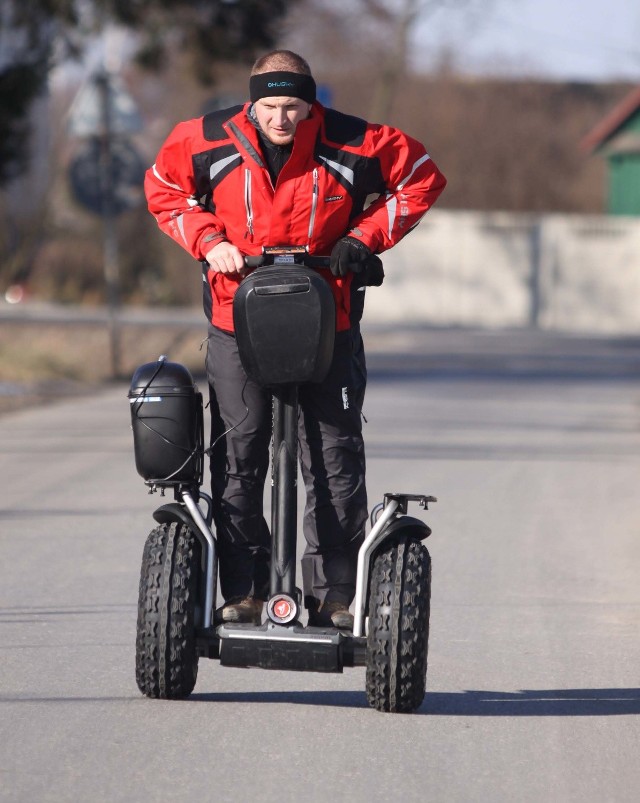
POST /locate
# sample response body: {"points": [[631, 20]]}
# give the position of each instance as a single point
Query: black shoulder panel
{"points": [[212, 123], [344, 129], [211, 166]]}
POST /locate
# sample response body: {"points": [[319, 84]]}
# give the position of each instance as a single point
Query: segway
{"points": [[284, 317]]}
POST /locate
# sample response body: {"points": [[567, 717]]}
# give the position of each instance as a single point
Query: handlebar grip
{"points": [[254, 262], [317, 262]]}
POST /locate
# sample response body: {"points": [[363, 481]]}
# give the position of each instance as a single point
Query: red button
{"points": [[282, 609]]}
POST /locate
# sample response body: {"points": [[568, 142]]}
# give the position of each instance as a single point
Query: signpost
{"points": [[105, 176], [127, 175]]}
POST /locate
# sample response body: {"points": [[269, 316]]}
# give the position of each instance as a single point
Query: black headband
{"points": [[282, 84]]}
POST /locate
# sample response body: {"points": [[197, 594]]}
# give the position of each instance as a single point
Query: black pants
{"points": [[333, 468]]}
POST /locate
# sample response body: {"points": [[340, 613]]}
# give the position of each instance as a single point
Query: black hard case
{"points": [[167, 423], [284, 318]]}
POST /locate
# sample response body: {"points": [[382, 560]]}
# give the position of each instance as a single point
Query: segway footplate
{"points": [[297, 648]]}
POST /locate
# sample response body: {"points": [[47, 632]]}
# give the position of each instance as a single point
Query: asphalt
{"points": [[532, 690]]}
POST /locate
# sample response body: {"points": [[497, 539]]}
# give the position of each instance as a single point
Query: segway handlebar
{"points": [[370, 272], [284, 258]]}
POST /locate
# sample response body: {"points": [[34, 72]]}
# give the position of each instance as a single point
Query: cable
{"points": [[191, 453], [208, 451]]}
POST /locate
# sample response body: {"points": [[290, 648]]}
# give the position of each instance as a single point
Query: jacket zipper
{"points": [[314, 203], [247, 201]]}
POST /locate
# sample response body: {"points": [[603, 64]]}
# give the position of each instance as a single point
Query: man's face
{"points": [[278, 117]]}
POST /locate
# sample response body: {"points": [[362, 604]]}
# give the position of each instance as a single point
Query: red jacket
{"points": [[210, 179]]}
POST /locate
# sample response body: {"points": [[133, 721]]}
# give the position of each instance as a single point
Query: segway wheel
{"points": [[398, 632], [166, 657]]}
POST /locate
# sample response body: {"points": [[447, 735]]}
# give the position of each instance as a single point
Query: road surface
{"points": [[533, 450]]}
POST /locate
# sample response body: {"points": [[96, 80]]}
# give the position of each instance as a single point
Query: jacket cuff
{"points": [[208, 240], [366, 239]]}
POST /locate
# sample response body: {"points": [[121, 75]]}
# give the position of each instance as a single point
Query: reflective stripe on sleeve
{"points": [[164, 181], [392, 205], [420, 161]]}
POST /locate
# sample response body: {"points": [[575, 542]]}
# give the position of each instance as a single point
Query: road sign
{"points": [[127, 174], [86, 117], [324, 94]]}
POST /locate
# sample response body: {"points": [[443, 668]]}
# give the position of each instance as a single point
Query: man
{"points": [[284, 170]]}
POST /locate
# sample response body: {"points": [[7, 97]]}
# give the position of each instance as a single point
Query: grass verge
{"points": [[40, 363]]}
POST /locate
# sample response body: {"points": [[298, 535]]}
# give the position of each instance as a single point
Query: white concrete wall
{"points": [[563, 272]]}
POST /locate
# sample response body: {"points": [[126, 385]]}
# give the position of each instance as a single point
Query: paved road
{"points": [[534, 454]]}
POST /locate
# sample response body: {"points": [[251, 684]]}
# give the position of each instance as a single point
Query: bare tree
{"points": [[374, 34]]}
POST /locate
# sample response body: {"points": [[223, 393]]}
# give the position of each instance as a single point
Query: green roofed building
{"points": [[617, 138]]}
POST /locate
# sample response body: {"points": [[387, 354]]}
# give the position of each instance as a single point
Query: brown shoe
{"points": [[331, 614], [241, 610]]}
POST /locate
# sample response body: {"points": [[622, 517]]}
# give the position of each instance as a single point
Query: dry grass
{"points": [[40, 363]]}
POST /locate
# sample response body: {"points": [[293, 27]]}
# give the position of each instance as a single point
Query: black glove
{"points": [[348, 255], [372, 274]]}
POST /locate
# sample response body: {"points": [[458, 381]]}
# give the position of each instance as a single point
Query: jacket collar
{"points": [[243, 127]]}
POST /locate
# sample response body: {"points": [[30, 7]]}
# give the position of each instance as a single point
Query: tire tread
{"points": [[397, 642], [166, 657]]}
